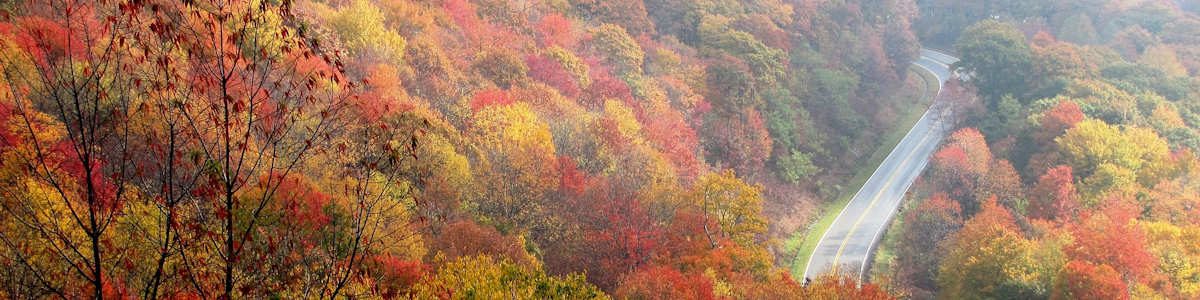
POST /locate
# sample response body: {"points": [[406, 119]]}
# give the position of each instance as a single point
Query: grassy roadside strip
{"points": [[881, 261], [803, 242]]}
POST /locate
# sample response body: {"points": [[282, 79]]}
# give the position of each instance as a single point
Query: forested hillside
{"points": [[1075, 175], [485, 148]]}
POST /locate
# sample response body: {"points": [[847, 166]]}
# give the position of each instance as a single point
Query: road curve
{"points": [[847, 244]]}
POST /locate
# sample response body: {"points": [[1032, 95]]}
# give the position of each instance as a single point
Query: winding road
{"points": [[847, 244]]}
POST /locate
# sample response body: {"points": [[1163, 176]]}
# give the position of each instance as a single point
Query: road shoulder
{"points": [[803, 242]]}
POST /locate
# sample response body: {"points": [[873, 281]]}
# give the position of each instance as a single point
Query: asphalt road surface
{"points": [[848, 243]]}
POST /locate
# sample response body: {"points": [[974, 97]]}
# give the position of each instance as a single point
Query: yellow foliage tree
{"points": [[733, 206], [1179, 258], [482, 277], [518, 163], [360, 26], [619, 48], [1093, 143], [989, 258], [1163, 58]]}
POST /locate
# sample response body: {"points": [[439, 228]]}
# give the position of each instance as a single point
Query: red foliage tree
{"points": [[1083, 280], [302, 203], [262, 98], [659, 282], [573, 180], [68, 102], [740, 141], [991, 216], [382, 95], [622, 234], [604, 86], [1054, 196], [462, 12], [481, 34], [487, 98], [918, 254], [961, 166], [48, 41], [879, 68], [959, 99], [556, 30], [975, 146], [1057, 121], [1003, 183], [465, 238], [548, 70], [397, 275], [1111, 238], [765, 30], [843, 287], [731, 85], [672, 136]]}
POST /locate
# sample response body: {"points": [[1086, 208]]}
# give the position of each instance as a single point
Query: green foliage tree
{"points": [[1079, 29], [996, 58], [767, 63], [796, 167], [501, 66], [618, 48], [1163, 58]]}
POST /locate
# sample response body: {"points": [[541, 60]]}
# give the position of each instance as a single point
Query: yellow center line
{"points": [[875, 199]]}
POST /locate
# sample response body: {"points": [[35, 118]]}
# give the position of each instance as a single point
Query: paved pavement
{"points": [[848, 243]]}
